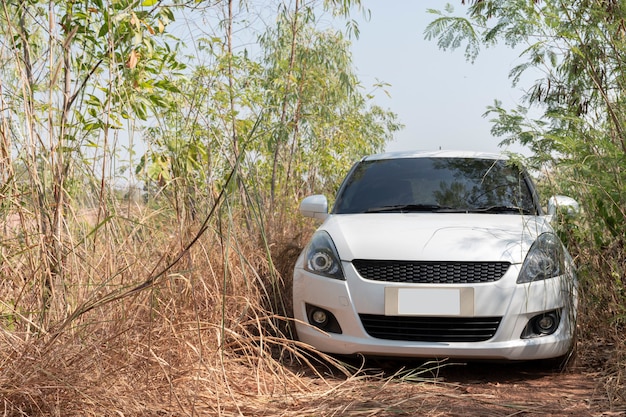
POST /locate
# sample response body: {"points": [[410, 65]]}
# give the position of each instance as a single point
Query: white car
{"points": [[436, 255]]}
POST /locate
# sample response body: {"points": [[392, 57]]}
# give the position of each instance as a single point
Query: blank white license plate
{"points": [[429, 301]]}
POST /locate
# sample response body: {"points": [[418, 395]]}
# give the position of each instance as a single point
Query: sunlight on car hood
{"points": [[434, 236]]}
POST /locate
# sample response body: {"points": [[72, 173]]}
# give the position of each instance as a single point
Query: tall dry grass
{"points": [[601, 348], [602, 316], [157, 318]]}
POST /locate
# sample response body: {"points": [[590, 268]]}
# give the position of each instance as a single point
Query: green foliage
{"points": [[451, 31], [319, 119], [298, 113]]}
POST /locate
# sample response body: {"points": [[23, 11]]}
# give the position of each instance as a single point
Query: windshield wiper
{"points": [[403, 208], [500, 209]]}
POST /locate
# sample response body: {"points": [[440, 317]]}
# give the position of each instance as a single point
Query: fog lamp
{"points": [[542, 324], [546, 324], [322, 319], [319, 317]]}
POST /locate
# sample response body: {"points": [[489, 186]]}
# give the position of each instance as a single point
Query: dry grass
{"points": [[602, 314], [149, 325], [153, 326]]}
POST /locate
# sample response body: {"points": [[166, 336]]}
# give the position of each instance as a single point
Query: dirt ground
{"points": [[531, 389], [471, 390], [520, 389]]}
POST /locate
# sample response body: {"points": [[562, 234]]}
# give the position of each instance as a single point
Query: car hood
{"points": [[434, 236]]}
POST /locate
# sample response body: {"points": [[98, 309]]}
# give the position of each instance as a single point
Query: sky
{"points": [[437, 95]]}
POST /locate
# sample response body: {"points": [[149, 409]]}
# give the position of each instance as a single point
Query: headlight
{"points": [[322, 258], [545, 259]]}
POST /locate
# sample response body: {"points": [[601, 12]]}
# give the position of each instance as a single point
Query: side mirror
{"points": [[560, 204], [315, 206]]}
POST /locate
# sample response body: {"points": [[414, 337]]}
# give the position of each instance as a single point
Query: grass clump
{"points": [[151, 318]]}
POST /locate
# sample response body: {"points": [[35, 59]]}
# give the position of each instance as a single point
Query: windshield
{"points": [[436, 185]]}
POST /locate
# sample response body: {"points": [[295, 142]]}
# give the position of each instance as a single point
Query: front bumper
{"points": [[516, 304]]}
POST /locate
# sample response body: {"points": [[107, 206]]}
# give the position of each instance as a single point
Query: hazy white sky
{"points": [[438, 95]]}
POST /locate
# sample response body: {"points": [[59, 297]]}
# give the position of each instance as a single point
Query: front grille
{"points": [[430, 329], [430, 272]]}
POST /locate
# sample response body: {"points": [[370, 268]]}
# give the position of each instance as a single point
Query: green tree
{"points": [[318, 118], [297, 114]]}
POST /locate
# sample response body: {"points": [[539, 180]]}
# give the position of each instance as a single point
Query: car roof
{"points": [[435, 154]]}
